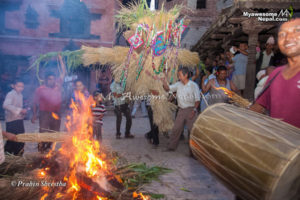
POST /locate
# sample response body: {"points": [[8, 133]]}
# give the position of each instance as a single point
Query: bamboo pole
{"points": [[42, 137]]}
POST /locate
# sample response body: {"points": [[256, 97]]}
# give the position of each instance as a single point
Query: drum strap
{"points": [[267, 86]]}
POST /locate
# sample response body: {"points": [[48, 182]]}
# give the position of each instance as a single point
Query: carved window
{"points": [[7, 6], [75, 20], [31, 18], [201, 4]]}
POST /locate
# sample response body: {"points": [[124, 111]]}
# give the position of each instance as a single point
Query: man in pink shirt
{"points": [[48, 98], [282, 97]]}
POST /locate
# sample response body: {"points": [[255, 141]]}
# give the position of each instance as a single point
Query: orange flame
{"points": [[101, 198], [44, 196], [226, 91], [140, 196], [55, 116], [82, 152]]}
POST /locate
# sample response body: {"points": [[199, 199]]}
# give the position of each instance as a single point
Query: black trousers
{"points": [[47, 124], [16, 127], [153, 134], [124, 108], [97, 131]]}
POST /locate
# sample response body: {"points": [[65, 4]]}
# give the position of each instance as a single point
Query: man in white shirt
{"points": [[266, 58], [188, 98]]}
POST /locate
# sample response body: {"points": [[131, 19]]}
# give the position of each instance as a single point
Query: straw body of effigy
{"points": [[143, 68], [255, 156], [154, 53], [146, 81], [42, 137]]}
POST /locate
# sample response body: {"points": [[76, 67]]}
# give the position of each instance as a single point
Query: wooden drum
{"points": [[255, 156]]}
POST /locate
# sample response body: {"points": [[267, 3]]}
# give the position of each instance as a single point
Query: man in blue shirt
{"points": [[240, 62]]}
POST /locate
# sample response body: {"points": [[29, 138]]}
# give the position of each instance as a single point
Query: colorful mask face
{"points": [[159, 46], [136, 41]]}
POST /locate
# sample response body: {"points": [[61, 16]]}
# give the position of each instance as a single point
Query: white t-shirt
{"points": [[2, 156], [266, 60], [260, 86], [186, 94]]}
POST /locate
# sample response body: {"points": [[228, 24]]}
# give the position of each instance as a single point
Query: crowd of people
{"points": [[194, 91]]}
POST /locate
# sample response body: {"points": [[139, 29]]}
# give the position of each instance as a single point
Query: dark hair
{"points": [[295, 17], [246, 43], [49, 74], [184, 70], [96, 93], [17, 80], [210, 69], [221, 68], [78, 80]]}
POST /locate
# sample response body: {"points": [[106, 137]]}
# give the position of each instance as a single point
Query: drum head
{"points": [[288, 185]]}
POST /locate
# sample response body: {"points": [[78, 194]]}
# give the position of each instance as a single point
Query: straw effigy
{"points": [[154, 54], [143, 70]]}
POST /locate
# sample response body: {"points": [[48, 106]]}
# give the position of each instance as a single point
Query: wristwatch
{"points": [[195, 109]]}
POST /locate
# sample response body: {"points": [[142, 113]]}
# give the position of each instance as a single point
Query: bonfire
{"points": [[80, 169]]}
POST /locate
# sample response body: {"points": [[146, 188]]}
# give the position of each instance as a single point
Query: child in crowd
{"points": [[79, 88], [98, 111], [14, 115]]}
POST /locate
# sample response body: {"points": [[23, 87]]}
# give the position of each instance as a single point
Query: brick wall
{"points": [[33, 27], [36, 41]]}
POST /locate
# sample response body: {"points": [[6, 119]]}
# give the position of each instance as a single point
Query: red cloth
{"points": [[48, 99], [282, 98]]}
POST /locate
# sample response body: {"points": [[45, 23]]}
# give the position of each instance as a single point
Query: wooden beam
{"points": [[225, 30], [226, 45], [236, 32], [274, 4], [240, 39], [217, 36], [236, 20], [211, 44]]}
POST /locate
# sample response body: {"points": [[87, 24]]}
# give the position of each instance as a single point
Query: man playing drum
{"points": [[282, 93]]}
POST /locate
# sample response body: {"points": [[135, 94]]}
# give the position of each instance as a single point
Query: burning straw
{"points": [[38, 168], [235, 98]]}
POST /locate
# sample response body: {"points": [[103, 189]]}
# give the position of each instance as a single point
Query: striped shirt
{"points": [[98, 112]]}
